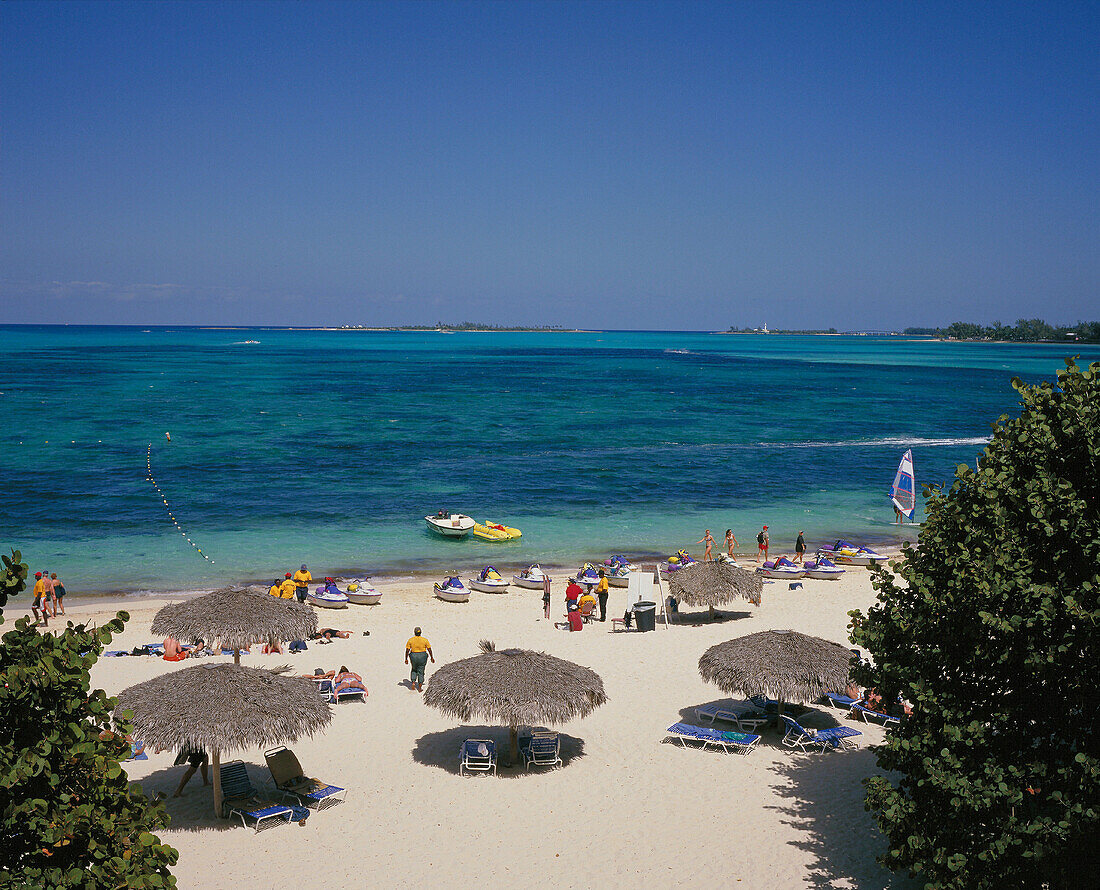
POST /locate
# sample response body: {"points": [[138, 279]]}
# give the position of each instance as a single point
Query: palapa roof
{"points": [[236, 618], [783, 664], [515, 687], [714, 583], [223, 707]]}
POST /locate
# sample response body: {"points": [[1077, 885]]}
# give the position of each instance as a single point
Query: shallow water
{"points": [[330, 447]]}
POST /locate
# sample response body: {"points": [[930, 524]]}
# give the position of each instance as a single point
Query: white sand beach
{"points": [[624, 811]]}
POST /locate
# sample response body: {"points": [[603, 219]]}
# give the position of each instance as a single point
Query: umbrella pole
{"points": [[513, 743], [216, 766], [236, 656]]}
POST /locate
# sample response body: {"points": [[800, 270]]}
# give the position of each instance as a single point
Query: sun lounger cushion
{"points": [[743, 742]]}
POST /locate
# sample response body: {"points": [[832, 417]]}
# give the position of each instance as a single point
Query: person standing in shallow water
{"points": [[731, 542], [417, 652]]}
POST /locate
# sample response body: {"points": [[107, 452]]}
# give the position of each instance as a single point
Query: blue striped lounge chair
{"points": [[541, 748], [242, 801], [289, 778], [797, 736], [478, 756], [745, 717], [867, 714], [840, 701], [729, 742], [326, 687]]}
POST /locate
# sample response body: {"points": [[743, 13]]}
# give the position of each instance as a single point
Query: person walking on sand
{"points": [[40, 601], [762, 544], [731, 542], [58, 594], [48, 602], [302, 577], [601, 594], [709, 541], [417, 652], [546, 597], [799, 548]]}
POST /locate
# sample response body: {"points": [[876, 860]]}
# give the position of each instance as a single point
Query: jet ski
{"points": [[781, 568], [363, 593], [328, 596], [531, 577], [488, 580], [451, 590], [823, 568], [679, 561]]}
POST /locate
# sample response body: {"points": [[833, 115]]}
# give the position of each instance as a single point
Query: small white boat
{"points": [[489, 580], [823, 568], [781, 568], [452, 591], [363, 593], [328, 596], [450, 525], [619, 576], [531, 577]]}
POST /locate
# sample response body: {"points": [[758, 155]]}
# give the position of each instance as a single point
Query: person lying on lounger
{"points": [[342, 680]]}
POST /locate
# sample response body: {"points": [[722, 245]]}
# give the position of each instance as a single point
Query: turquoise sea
{"points": [[329, 447]]}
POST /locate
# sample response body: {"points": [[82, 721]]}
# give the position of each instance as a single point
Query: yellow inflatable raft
{"points": [[490, 531]]}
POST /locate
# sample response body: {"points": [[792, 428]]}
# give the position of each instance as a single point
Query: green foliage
{"points": [[1026, 330], [68, 816], [990, 630], [14, 579]]}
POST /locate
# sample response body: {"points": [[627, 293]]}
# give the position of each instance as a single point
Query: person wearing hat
{"points": [[800, 547], [762, 544], [302, 577], [40, 601], [288, 588]]}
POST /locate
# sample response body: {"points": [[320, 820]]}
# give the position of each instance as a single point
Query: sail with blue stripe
{"points": [[903, 492]]}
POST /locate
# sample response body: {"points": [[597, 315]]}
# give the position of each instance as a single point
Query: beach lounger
{"points": [[866, 713], [327, 688], [477, 755], [242, 801], [745, 717], [737, 742], [836, 737], [540, 748], [840, 701], [288, 777]]}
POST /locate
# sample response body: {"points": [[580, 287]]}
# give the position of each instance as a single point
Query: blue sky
{"points": [[639, 165]]}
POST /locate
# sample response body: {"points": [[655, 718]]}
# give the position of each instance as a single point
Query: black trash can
{"points": [[645, 615]]}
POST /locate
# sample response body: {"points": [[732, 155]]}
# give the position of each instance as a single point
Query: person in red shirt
{"points": [[572, 592], [576, 621]]}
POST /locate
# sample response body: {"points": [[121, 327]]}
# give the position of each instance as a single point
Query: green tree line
{"points": [[1026, 330]]}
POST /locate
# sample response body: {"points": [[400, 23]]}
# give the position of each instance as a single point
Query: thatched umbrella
{"points": [[714, 583], [223, 707], [783, 664], [236, 618], [515, 687]]}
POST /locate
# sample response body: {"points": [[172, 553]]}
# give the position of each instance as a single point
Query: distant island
{"points": [[473, 327], [1026, 330]]}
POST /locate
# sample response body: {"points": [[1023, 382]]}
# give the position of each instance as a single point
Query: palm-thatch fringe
{"points": [[515, 687], [714, 583], [783, 664], [223, 707], [236, 618]]}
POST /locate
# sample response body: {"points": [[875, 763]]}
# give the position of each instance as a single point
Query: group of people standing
{"points": [[49, 597], [763, 542], [292, 586]]}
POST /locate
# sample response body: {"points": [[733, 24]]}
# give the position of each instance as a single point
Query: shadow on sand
{"points": [[441, 749], [194, 809], [823, 799], [704, 617]]}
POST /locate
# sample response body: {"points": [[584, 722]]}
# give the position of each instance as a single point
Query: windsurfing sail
{"points": [[903, 493]]}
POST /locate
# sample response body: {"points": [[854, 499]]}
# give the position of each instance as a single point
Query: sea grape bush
{"points": [[14, 579], [989, 628], [68, 816]]}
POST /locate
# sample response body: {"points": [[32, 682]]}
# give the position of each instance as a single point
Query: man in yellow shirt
{"points": [[288, 588], [276, 589], [601, 592], [417, 652], [587, 604], [40, 601], [301, 582]]}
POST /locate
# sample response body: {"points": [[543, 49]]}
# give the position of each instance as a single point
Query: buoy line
{"points": [[149, 478]]}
